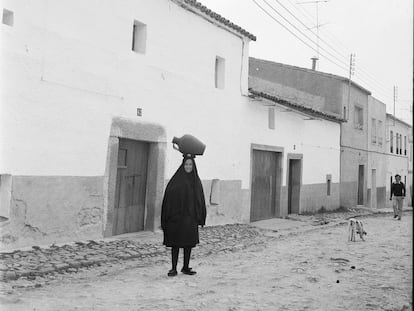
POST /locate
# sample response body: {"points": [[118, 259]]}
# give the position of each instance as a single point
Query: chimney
{"points": [[314, 60]]}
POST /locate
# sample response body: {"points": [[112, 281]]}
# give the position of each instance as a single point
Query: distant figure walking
{"points": [[398, 190], [183, 210]]}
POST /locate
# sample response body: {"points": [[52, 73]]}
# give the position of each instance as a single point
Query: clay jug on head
{"points": [[188, 144]]}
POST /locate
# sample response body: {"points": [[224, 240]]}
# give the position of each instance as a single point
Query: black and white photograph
{"points": [[212, 155]]}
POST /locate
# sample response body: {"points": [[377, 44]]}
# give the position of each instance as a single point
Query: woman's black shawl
{"points": [[183, 208]]}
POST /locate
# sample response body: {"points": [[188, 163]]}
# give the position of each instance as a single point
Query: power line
{"points": [[303, 34], [378, 89], [330, 46], [308, 16], [291, 32], [300, 21]]}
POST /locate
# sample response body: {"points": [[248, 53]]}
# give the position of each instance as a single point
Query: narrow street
{"points": [[319, 270]]}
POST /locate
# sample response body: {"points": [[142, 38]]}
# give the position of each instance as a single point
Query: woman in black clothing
{"points": [[183, 210]]}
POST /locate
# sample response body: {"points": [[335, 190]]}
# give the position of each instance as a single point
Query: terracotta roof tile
{"points": [[218, 17], [298, 107]]}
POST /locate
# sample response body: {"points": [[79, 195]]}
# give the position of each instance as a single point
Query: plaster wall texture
{"points": [[287, 93], [70, 209], [352, 135], [60, 99], [314, 197], [350, 161], [377, 136], [64, 82], [330, 94], [316, 140], [376, 153], [399, 163], [304, 81]]}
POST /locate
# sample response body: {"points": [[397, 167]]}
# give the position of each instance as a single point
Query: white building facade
{"points": [[92, 96], [399, 155], [377, 156]]}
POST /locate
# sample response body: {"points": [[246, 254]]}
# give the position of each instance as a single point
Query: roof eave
{"points": [[213, 17], [299, 108]]}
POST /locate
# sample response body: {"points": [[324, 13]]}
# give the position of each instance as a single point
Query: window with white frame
{"points": [[397, 143], [373, 131], [379, 132], [400, 143], [405, 145], [391, 141], [358, 117]]}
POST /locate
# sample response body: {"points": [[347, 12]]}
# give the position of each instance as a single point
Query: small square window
{"points": [[8, 17], [219, 72], [271, 118], [139, 37]]}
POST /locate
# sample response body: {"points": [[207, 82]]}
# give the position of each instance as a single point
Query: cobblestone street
{"points": [[41, 265], [240, 267], [38, 264]]}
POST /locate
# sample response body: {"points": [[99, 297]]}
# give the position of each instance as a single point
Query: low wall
{"points": [[51, 209], [348, 194], [56, 209]]}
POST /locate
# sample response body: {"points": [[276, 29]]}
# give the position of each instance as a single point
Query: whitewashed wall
{"points": [[399, 164], [317, 140], [68, 68]]}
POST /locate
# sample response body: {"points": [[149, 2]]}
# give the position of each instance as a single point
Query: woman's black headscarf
{"points": [[181, 188]]}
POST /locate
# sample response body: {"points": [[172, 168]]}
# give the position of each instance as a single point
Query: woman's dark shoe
{"points": [[172, 272], [188, 271]]}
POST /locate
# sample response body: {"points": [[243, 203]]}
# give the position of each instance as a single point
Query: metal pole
{"points": [[349, 84], [317, 29], [395, 99]]}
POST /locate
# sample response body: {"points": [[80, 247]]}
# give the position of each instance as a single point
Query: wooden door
{"points": [[264, 185], [294, 182], [360, 199], [129, 211]]}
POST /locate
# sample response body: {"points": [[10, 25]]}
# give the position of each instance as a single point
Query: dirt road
{"points": [[319, 270]]}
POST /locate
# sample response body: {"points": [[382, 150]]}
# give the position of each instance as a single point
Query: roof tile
{"points": [[219, 18]]}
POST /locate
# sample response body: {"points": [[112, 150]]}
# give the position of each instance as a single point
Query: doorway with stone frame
{"points": [[151, 137]]}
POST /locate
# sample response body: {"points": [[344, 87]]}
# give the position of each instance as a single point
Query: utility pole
{"points": [[316, 2], [351, 73]]}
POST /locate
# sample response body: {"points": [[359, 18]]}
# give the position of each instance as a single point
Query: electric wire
{"points": [[378, 85], [305, 35], [361, 69], [291, 32]]}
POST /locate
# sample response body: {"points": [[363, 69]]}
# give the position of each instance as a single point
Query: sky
{"points": [[378, 32]]}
